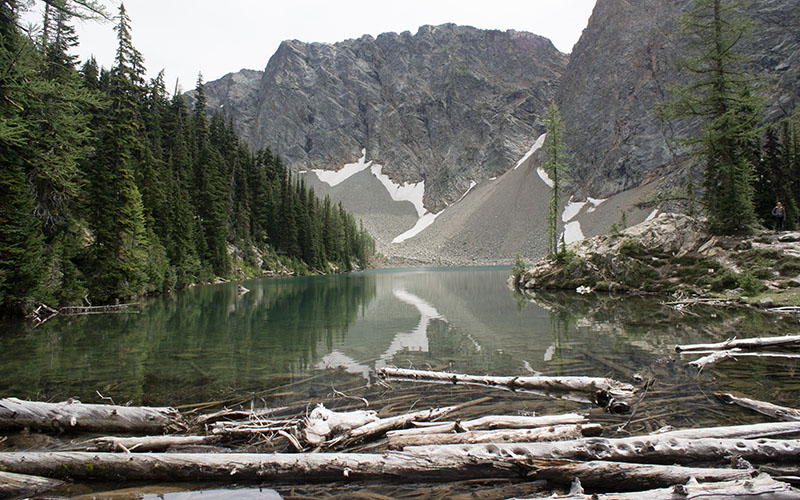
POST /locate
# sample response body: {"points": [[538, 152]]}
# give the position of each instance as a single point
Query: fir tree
{"points": [[556, 168], [721, 95]]}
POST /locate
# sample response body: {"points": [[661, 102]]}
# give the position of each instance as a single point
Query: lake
{"points": [[319, 338]]}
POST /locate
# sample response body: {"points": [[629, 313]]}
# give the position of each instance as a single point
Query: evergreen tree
{"points": [[121, 247], [721, 94], [556, 168]]}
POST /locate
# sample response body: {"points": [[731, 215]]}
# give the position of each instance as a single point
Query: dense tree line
{"points": [[112, 188]]}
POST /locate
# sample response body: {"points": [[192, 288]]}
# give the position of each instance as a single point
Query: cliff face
{"points": [[621, 68], [447, 105]]}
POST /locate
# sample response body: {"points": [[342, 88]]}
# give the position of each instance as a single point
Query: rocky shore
{"points": [[675, 254]]}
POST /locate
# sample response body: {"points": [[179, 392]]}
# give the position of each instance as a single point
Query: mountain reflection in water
{"points": [[209, 342]]}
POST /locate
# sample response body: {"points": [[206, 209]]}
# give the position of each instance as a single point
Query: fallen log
{"points": [[74, 415], [751, 343], [717, 356], [651, 449], [551, 433], [323, 423], [605, 390], [621, 476], [761, 487], [749, 431], [381, 426], [772, 410], [23, 485], [492, 422], [252, 467], [147, 443]]}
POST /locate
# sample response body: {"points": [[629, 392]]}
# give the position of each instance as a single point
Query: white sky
{"points": [[216, 37]]}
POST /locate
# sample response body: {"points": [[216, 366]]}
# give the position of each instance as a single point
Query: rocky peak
{"points": [[447, 105]]}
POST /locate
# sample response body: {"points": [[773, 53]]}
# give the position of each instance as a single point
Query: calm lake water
{"points": [[304, 340], [209, 343]]}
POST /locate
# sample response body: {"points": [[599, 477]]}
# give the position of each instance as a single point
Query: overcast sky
{"points": [[217, 37]]}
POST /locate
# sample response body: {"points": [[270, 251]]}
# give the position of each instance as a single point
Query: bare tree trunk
{"points": [[750, 431], [492, 422], [147, 443], [775, 411], [619, 476], [753, 343], [605, 391], [762, 487], [242, 467], [552, 433], [640, 449], [21, 485], [383, 425], [69, 415]]}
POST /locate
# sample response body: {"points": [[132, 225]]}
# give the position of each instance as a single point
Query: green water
{"points": [[210, 343]]}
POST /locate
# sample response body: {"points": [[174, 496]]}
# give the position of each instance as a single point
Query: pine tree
{"points": [[556, 167], [722, 96]]}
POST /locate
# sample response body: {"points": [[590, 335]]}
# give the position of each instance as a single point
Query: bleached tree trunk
{"points": [[640, 449], [762, 487], [752, 343], [772, 410], [577, 384], [147, 443], [492, 422], [750, 431], [621, 476], [551, 433]]}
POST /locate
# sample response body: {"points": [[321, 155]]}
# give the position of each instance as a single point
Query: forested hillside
{"points": [[110, 187]]}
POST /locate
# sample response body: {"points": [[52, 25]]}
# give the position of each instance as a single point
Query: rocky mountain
{"points": [[447, 105], [622, 67], [430, 138]]}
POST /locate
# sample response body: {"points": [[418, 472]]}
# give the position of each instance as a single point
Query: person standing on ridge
{"points": [[780, 215]]}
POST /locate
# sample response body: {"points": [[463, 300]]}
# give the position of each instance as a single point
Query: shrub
{"points": [[749, 283]]}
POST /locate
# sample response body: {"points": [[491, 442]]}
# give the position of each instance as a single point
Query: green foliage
{"points": [[110, 188], [749, 283], [518, 269], [556, 167], [724, 97]]}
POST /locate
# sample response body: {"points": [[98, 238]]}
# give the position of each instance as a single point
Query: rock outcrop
{"points": [[621, 68], [447, 105]]}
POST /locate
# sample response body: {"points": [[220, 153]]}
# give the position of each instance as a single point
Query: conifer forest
{"points": [[112, 188]]}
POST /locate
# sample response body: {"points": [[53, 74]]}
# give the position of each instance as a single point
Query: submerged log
{"points": [[752, 343], [761, 487], [492, 422], [652, 449], [603, 389], [551, 433], [621, 476], [22, 485], [717, 356], [772, 410], [74, 415]]}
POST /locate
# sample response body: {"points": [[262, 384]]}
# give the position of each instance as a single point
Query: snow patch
{"points": [[571, 210], [595, 203], [472, 184], [422, 223], [652, 215], [546, 178], [572, 232], [402, 192], [334, 177], [536, 145]]}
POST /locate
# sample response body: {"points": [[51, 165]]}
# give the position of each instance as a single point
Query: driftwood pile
{"points": [[161, 444]]}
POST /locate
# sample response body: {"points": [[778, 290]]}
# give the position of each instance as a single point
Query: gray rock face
{"points": [[621, 68], [447, 105]]}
